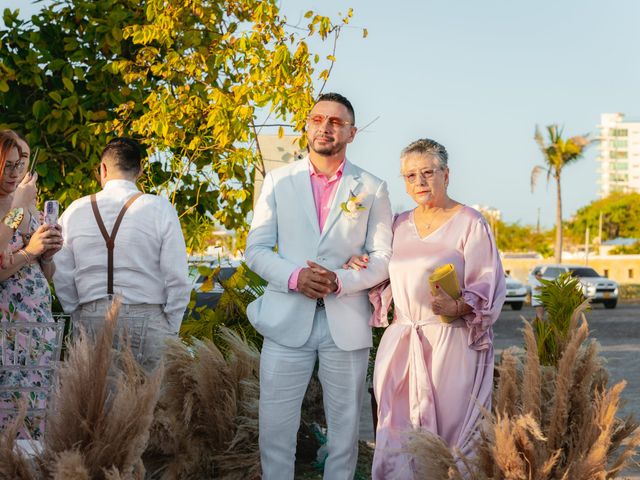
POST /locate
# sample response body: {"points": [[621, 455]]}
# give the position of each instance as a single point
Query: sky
{"points": [[478, 76]]}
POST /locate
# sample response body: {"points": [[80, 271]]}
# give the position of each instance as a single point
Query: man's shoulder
{"points": [[365, 175], [77, 204]]}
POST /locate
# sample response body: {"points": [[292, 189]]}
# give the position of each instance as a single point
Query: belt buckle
{"points": [[320, 303]]}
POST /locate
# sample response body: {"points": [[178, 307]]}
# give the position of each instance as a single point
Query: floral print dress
{"points": [[25, 297]]}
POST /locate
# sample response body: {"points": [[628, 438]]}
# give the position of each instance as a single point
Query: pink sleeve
{"points": [[339, 284], [293, 279], [484, 285], [381, 298]]}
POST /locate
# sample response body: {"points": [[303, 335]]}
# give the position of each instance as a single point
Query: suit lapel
{"points": [[349, 184], [304, 195]]}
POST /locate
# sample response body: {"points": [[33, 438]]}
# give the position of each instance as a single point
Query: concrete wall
{"points": [[276, 152], [621, 268]]}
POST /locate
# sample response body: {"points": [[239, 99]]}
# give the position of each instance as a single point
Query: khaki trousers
{"points": [[146, 327]]}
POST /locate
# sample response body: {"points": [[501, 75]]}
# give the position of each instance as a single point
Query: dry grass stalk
{"points": [[532, 378], [562, 427], [564, 381], [69, 465], [207, 416], [592, 465], [505, 451], [14, 465], [432, 458], [583, 430], [506, 396], [100, 409], [625, 457]]}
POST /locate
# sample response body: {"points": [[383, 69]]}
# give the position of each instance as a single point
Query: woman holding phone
{"points": [[24, 288]]}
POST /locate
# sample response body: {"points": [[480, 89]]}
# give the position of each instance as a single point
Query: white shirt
{"points": [[150, 257]]}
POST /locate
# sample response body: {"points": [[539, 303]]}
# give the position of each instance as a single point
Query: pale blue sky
{"points": [[478, 76]]}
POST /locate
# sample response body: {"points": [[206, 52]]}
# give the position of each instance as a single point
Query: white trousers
{"points": [[284, 375]]}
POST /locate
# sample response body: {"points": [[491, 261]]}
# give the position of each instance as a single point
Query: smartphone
{"points": [[51, 210], [34, 161]]}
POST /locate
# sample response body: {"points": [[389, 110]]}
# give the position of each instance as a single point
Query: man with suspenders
{"points": [[122, 243]]}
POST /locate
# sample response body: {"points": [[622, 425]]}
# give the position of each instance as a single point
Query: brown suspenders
{"points": [[110, 239]]}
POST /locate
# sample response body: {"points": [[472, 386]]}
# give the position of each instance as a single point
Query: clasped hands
{"points": [[316, 281]]}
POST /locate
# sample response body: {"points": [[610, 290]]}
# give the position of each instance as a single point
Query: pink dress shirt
{"points": [[324, 190]]}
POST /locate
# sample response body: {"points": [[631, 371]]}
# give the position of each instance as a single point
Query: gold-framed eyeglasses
{"points": [[14, 167], [426, 173], [318, 119]]}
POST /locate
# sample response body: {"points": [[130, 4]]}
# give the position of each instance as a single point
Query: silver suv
{"points": [[596, 288]]}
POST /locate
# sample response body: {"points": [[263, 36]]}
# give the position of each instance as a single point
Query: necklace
{"points": [[434, 217]]}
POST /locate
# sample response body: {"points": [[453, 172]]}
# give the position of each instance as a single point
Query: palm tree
{"points": [[557, 154]]}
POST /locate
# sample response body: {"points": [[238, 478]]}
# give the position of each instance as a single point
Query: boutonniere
{"points": [[352, 207]]}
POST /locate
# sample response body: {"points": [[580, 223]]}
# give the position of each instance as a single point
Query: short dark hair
{"points": [[342, 100], [124, 154]]}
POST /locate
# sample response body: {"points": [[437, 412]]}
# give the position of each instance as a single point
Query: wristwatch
{"points": [[13, 218]]}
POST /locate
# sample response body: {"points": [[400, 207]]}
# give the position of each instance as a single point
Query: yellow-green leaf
{"points": [[68, 84]]}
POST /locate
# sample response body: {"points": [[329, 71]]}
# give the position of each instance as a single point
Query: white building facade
{"points": [[619, 154]]}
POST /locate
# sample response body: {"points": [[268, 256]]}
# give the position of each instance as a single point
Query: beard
{"points": [[326, 149]]}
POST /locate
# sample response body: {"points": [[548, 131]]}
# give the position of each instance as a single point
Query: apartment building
{"points": [[619, 154]]}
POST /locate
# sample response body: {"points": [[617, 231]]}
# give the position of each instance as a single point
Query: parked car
{"points": [[595, 287], [516, 293]]}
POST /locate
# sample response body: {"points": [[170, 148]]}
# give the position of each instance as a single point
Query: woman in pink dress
{"points": [[430, 374]]}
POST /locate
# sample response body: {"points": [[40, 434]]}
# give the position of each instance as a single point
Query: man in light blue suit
{"points": [[311, 217]]}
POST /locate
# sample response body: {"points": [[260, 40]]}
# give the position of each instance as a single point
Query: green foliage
{"points": [[210, 70], [558, 152], [620, 217], [240, 289], [630, 291], [513, 237], [188, 79], [561, 298], [56, 86], [633, 249]]}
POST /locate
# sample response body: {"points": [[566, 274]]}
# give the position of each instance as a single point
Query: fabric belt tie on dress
{"points": [[420, 389]]}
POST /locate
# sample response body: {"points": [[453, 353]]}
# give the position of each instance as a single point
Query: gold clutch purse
{"points": [[447, 278]]}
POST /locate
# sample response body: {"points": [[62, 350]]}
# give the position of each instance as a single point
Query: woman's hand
{"points": [[6, 258], [55, 242], [26, 193], [357, 262], [44, 238], [443, 304]]}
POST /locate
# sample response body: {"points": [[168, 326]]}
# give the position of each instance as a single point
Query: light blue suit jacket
{"points": [[285, 234]]}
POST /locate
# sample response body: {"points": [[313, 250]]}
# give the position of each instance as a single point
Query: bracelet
{"points": [[45, 261], [459, 306], [26, 255]]}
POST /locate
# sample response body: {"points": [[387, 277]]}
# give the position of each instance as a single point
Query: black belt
{"points": [[320, 303]]}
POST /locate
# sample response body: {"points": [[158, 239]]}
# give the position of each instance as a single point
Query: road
{"points": [[617, 331]]}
